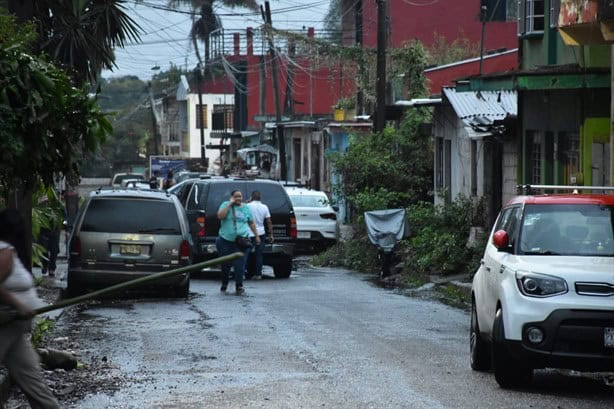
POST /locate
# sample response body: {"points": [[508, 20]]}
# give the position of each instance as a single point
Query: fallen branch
{"points": [[7, 316]]}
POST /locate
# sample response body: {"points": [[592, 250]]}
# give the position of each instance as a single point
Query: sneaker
{"points": [[257, 277], [240, 291], [223, 288]]}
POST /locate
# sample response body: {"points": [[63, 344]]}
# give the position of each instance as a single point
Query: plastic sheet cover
{"points": [[386, 227]]}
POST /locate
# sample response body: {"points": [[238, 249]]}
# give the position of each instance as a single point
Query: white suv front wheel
{"points": [[479, 350], [510, 372]]}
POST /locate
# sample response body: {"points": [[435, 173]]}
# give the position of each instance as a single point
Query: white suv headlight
{"points": [[540, 285]]}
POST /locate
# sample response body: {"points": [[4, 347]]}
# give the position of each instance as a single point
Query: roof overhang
{"points": [[540, 79]]}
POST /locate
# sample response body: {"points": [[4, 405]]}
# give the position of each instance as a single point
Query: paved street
{"points": [[323, 338]]}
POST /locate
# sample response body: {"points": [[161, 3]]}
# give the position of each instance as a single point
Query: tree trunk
{"points": [[20, 198]]}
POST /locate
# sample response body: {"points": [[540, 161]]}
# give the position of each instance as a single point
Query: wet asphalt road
{"points": [[325, 338]]}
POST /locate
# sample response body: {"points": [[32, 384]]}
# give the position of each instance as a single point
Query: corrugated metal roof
{"points": [[480, 109], [486, 105]]}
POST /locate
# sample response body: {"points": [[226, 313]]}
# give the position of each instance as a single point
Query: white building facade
{"points": [[217, 119]]}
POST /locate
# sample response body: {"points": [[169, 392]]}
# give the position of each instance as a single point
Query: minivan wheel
{"points": [[73, 287], [183, 289], [283, 270], [509, 372], [479, 349]]}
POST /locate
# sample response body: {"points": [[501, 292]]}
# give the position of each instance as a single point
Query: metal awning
{"points": [[483, 112]]}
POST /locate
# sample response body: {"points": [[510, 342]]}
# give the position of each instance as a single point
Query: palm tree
{"points": [[79, 35], [207, 22]]}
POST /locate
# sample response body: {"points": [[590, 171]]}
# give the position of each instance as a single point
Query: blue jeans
{"points": [[258, 251], [224, 248]]}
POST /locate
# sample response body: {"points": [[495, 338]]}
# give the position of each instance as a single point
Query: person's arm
{"points": [[254, 230], [223, 211], [269, 225], [6, 297]]}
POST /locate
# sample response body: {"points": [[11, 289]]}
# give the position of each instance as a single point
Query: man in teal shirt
{"points": [[235, 221]]}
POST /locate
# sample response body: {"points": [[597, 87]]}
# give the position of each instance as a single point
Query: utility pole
{"points": [[199, 82], [281, 143], [289, 100], [380, 90], [154, 118], [359, 41], [483, 19]]}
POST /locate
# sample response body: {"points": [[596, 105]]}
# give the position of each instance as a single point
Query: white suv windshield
{"points": [[309, 201], [584, 230]]}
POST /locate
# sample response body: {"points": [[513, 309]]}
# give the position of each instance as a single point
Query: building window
{"points": [[439, 163], [535, 158], [474, 168], [201, 116], [555, 8], [222, 117], [530, 16]]}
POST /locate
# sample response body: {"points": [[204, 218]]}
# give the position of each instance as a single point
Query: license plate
{"points": [[130, 249], [303, 235], [608, 337]]}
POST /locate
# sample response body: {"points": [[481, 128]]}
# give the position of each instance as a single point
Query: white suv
{"points": [[316, 219], [543, 295]]}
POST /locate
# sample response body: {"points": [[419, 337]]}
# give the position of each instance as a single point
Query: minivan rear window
{"points": [[121, 215]]}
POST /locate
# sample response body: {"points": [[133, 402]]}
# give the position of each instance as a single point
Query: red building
{"points": [[422, 19], [445, 75], [314, 89]]}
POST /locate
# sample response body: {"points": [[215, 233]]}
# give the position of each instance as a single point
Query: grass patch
{"points": [[41, 328], [454, 295]]}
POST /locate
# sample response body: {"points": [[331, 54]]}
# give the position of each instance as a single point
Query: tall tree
{"points": [[46, 124], [205, 21], [79, 35]]}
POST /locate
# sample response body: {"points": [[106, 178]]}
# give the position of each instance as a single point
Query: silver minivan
{"points": [[123, 234]]}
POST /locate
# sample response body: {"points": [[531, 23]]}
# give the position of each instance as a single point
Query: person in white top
{"points": [[17, 292], [262, 215]]}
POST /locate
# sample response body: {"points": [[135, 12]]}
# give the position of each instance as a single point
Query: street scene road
{"points": [[326, 337]]}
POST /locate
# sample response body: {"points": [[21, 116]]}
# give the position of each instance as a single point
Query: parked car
{"points": [[122, 234], [183, 175], [316, 219], [202, 198], [136, 184], [118, 178], [542, 296]]}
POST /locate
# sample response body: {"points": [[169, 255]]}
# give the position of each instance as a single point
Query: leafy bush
{"points": [[357, 254], [439, 237]]}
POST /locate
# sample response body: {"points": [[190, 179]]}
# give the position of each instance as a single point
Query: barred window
{"points": [[201, 116]]}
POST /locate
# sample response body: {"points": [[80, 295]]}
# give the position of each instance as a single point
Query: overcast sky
{"points": [[165, 39]]}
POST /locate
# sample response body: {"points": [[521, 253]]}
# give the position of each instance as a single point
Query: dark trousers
{"points": [[50, 239], [224, 248]]}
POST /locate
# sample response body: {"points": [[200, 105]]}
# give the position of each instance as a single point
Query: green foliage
{"points": [[391, 169], [443, 52], [455, 296], [41, 328], [48, 213], [345, 103], [409, 62], [82, 34], [332, 21], [439, 238], [45, 123], [358, 254]]}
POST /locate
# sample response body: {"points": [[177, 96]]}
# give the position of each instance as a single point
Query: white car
{"points": [[542, 297], [119, 178], [316, 219]]}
